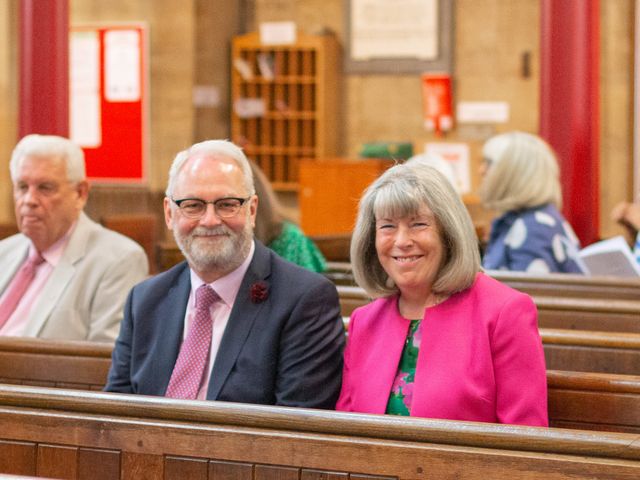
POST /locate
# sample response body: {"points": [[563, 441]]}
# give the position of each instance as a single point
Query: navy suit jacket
{"points": [[284, 350]]}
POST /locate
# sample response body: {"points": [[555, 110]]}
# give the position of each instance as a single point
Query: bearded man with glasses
{"points": [[235, 322]]}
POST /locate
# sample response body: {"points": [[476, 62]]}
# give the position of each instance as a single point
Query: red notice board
{"points": [[108, 89]]}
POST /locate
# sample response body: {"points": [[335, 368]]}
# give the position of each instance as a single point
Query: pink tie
{"points": [[19, 285], [194, 353]]}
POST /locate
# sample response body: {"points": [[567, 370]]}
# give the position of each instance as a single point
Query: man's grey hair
{"points": [[212, 147], [50, 146]]}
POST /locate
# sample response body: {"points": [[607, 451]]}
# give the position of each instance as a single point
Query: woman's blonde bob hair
{"points": [[522, 173], [402, 191]]}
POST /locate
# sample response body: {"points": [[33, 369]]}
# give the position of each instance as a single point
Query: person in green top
{"points": [[276, 229]]}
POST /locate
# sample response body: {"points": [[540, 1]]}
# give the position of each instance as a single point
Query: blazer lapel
{"points": [[60, 277], [241, 321], [388, 346], [169, 315], [13, 263]]}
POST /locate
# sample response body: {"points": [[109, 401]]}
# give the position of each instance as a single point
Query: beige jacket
{"points": [[84, 296]]}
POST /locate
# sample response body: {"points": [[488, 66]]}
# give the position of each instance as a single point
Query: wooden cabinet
{"points": [[300, 102], [330, 191]]}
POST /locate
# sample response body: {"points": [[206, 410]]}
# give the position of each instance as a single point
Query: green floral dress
{"points": [[293, 245], [402, 390]]}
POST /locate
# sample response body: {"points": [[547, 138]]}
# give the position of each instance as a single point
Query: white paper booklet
{"points": [[610, 257]]}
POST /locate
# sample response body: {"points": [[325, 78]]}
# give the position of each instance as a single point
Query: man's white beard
{"points": [[221, 253]]}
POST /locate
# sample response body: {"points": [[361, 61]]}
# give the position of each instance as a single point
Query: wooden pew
{"points": [[73, 434], [84, 365], [586, 351], [595, 314], [140, 227], [53, 363], [335, 248], [549, 285], [576, 399], [570, 285], [594, 401]]}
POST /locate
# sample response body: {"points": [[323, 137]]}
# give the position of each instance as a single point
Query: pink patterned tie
{"points": [[194, 353], [19, 285]]}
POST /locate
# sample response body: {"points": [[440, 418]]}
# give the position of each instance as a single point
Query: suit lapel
{"points": [[389, 345], [60, 277], [11, 265], [243, 316], [169, 314]]}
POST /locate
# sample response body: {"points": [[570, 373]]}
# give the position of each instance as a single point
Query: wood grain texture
{"points": [[285, 442], [18, 458], [57, 461]]}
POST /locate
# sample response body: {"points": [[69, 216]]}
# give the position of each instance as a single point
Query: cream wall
{"points": [[616, 108], [490, 38], [189, 45]]}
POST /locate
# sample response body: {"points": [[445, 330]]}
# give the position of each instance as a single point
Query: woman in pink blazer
{"points": [[441, 340]]}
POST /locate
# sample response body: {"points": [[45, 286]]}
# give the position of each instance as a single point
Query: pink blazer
{"points": [[480, 358]]}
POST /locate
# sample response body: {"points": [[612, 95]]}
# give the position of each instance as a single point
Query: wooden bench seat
{"points": [[73, 434]]}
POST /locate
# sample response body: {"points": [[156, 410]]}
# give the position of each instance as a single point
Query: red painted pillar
{"points": [[44, 67], [569, 105]]}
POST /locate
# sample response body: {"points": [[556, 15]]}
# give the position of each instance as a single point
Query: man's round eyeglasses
{"points": [[226, 207]]}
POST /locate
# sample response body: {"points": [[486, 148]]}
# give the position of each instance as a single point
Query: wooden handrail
{"points": [[559, 336], [596, 382], [56, 347]]}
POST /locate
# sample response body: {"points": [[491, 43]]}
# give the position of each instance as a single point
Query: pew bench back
{"points": [[52, 363], [548, 285], [62, 433], [597, 314]]}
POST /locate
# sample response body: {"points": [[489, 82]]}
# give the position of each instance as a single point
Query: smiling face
{"points": [[410, 250], [212, 245], [46, 203]]}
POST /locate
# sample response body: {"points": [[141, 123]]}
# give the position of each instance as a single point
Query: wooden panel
{"points": [[35, 368], [267, 472], [374, 477], [97, 464], [142, 466], [142, 228], [181, 468], [322, 475], [18, 458], [615, 412], [221, 470], [57, 461], [330, 191]]}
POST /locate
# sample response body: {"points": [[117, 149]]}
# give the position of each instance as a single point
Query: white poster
{"points": [[458, 156], [122, 65], [84, 89], [394, 29]]}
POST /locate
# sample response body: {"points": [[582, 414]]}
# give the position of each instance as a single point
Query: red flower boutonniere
{"points": [[259, 292]]}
